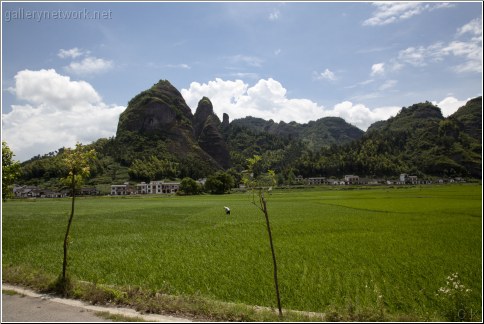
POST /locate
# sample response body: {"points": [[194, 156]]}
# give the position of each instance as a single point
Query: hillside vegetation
{"points": [[158, 130]]}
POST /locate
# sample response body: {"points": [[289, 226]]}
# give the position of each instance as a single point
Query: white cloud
{"points": [[89, 65], [413, 56], [469, 51], [377, 69], [326, 75], [466, 49], [474, 27], [268, 99], [70, 53], [48, 87], [392, 12], [360, 115], [449, 105], [59, 112]]}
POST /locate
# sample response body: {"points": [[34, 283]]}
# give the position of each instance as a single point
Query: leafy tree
{"points": [[219, 183], [153, 169], [77, 163], [259, 186], [10, 171], [188, 186]]}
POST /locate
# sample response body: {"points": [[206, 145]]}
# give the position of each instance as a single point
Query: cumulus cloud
{"points": [[49, 88], [360, 115], [392, 12], [268, 99], [58, 112], [449, 105]]}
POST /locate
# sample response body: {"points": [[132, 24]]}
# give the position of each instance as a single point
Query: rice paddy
{"points": [[383, 249]]}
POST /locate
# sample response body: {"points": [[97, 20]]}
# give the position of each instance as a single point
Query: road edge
{"points": [[123, 311]]}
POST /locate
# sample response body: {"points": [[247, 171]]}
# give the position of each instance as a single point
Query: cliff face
{"points": [[159, 122], [158, 112], [207, 132]]}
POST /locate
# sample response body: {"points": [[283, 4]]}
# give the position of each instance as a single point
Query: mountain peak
{"points": [[206, 127], [204, 109], [413, 117]]}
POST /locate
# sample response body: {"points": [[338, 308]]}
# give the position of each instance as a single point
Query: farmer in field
{"points": [[227, 210]]}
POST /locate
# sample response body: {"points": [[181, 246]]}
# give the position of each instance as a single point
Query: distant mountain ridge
{"points": [[417, 140], [158, 135], [411, 118], [322, 132], [160, 115]]}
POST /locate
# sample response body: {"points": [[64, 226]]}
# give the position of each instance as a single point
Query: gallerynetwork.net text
{"points": [[40, 15]]}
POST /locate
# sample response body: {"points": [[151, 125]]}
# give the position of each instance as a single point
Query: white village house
{"points": [[157, 187], [121, 190], [154, 187]]}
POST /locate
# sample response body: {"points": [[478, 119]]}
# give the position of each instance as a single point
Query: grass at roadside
{"points": [[119, 318]]}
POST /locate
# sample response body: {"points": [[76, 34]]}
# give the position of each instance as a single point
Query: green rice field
{"points": [[382, 248]]}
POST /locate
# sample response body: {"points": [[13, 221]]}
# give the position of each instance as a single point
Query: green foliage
{"points": [[153, 169], [418, 140], [188, 186], [455, 300], [161, 93], [469, 118], [219, 183], [132, 146], [268, 179], [10, 171], [338, 249], [77, 163]]}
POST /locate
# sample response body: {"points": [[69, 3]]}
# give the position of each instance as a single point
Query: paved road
{"points": [[19, 308], [28, 306]]}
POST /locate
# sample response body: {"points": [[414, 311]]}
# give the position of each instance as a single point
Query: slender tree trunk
{"points": [[66, 238], [276, 283]]}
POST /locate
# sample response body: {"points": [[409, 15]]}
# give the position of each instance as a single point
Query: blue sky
{"points": [[68, 74]]}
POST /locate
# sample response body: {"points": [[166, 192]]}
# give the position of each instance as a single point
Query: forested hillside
{"points": [[159, 137], [418, 140]]}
